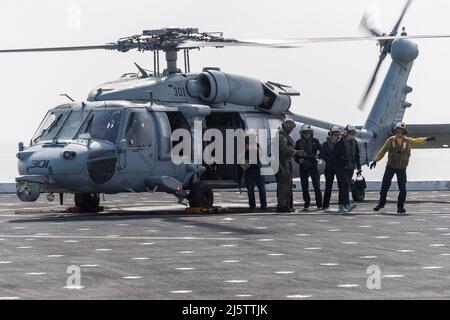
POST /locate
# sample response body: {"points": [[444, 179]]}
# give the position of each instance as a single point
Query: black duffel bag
{"points": [[358, 188]]}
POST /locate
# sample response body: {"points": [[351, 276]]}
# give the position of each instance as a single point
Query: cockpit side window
{"points": [[139, 132]]}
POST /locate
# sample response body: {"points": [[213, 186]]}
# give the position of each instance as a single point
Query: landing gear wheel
{"points": [[87, 200], [201, 196]]}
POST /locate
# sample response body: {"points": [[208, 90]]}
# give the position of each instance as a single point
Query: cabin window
{"points": [[139, 132], [165, 133]]}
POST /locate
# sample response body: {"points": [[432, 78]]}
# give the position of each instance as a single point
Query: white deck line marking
{"points": [[298, 296], [284, 272], [348, 285], [313, 248], [140, 258], [303, 234], [437, 245], [405, 251], [5, 262], [329, 264], [89, 265], [185, 252], [181, 291], [102, 250], [55, 256], [368, 257], [349, 242], [29, 247], [275, 254], [74, 287], [236, 281], [382, 237], [445, 254], [228, 245], [243, 295], [184, 269], [432, 267], [265, 240], [116, 238], [132, 277], [71, 241], [36, 273], [9, 298], [230, 261]]}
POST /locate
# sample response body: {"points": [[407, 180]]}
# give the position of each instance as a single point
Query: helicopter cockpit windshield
{"points": [[100, 124], [103, 125], [50, 126]]}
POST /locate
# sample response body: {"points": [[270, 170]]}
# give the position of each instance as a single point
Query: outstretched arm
{"points": [[418, 141]]}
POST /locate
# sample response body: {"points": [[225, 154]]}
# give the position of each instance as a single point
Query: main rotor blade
{"points": [[368, 38], [362, 104], [282, 44], [62, 49], [191, 44], [394, 31], [296, 42]]}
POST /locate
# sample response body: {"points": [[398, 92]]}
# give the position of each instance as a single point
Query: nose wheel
{"points": [[201, 196], [86, 201]]}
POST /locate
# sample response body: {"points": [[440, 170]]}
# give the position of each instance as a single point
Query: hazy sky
{"points": [[330, 77]]}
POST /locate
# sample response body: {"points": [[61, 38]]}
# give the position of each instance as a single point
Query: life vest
{"points": [[399, 154], [350, 152]]}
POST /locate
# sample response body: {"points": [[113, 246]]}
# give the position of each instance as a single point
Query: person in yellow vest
{"points": [[398, 148]]}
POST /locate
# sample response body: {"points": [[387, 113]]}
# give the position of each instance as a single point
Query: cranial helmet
{"points": [[401, 126], [333, 130], [349, 128], [288, 125], [306, 128]]}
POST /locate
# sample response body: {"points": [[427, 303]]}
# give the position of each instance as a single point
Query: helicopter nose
{"points": [[64, 165]]}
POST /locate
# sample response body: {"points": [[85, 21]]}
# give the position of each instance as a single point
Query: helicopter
{"points": [[120, 138]]}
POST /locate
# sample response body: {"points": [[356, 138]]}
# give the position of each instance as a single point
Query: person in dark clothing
{"points": [[309, 148], [326, 154], [284, 174], [346, 159], [252, 174]]}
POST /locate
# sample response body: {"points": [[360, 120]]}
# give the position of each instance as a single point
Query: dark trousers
{"points": [[284, 186], [312, 172], [387, 180], [344, 177], [254, 178], [329, 179]]}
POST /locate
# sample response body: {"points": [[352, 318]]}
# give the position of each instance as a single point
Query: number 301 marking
{"points": [[179, 92]]}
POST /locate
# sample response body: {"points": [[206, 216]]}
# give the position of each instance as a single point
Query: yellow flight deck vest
{"points": [[399, 154]]}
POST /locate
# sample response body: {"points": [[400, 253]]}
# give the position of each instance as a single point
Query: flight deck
{"points": [[145, 247]]}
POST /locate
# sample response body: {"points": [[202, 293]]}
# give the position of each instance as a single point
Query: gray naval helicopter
{"points": [[119, 140]]}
